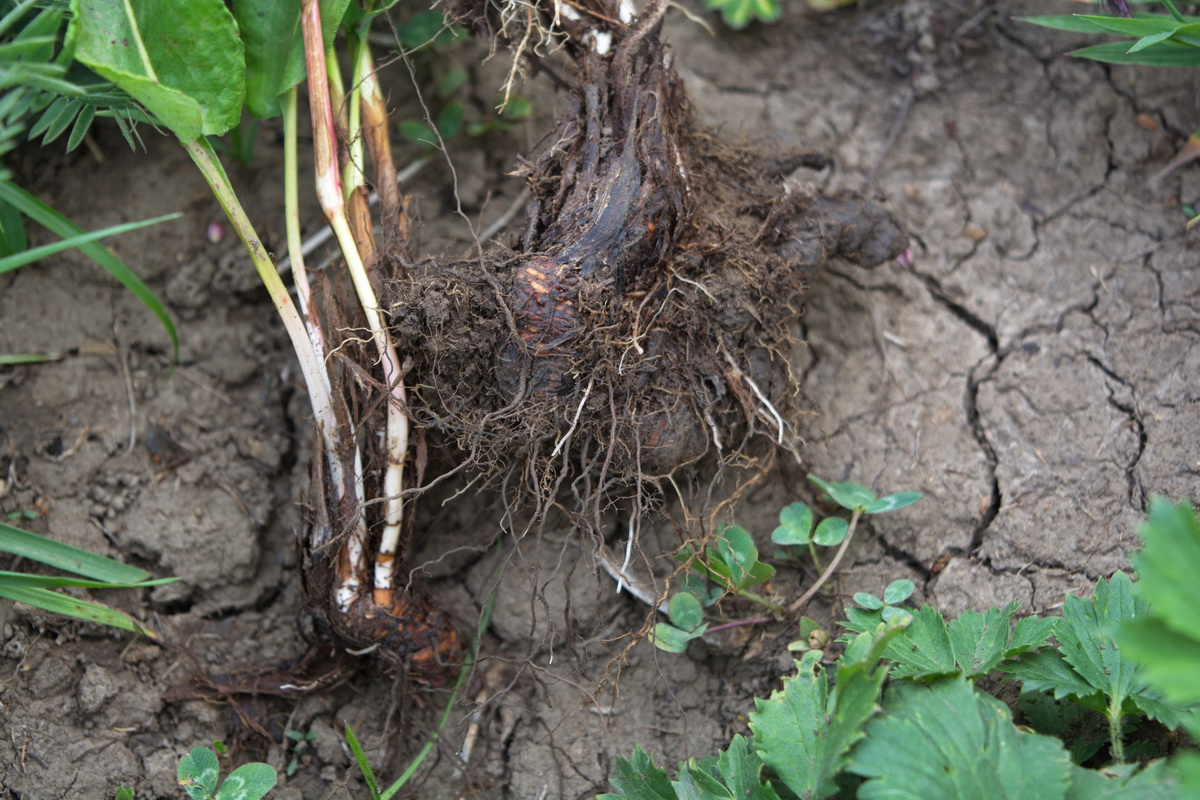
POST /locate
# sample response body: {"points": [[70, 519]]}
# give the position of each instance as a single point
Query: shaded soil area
{"points": [[1033, 373]]}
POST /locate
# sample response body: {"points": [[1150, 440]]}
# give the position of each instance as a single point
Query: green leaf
{"points": [[741, 770], [57, 603], [1048, 671], [1164, 54], [1145, 25], [1085, 641], [24, 358], [795, 525], [418, 132], [1168, 564], [54, 581], [1170, 661], [1074, 23], [198, 773], [805, 734], [1082, 730], [454, 80], [847, 494], [739, 13], [46, 216], [65, 557], [736, 558], [1123, 781], [831, 531], [516, 107], [248, 782], [183, 60], [269, 31], [123, 793], [892, 502], [449, 120], [670, 639], [332, 14], [685, 612], [867, 600], [364, 764], [946, 740], [898, 591], [428, 28], [639, 779], [29, 256]]}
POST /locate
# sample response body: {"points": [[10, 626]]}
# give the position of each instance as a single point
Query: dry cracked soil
{"points": [[1033, 372]]}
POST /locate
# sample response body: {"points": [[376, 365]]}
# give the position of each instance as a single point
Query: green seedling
{"points": [[740, 13], [98, 572], [199, 775], [687, 623], [796, 524], [906, 717], [889, 605], [300, 742]]}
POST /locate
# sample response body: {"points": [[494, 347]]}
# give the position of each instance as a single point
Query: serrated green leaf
{"points": [[898, 591], [947, 741], [1085, 640], [182, 60], [638, 778], [805, 734], [1030, 633], [979, 640], [795, 525], [892, 502], [741, 770], [847, 494], [1048, 671], [696, 783], [831, 531], [198, 772], [248, 782], [685, 612]]}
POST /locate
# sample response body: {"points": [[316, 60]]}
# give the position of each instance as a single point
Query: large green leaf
{"points": [[947, 741], [270, 30], [1168, 565], [1085, 639], [1124, 781], [805, 734], [182, 59]]}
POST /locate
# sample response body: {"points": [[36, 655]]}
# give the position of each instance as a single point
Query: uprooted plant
{"points": [[638, 329]]}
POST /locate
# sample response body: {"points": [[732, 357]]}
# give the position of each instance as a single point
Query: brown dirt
{"points": [[1032, 374]]}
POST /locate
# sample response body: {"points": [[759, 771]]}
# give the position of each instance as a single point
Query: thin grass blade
{"points": [[57, 603], [29, 256], [67, 558], [59, 581], [44, 215], [7, 359]]}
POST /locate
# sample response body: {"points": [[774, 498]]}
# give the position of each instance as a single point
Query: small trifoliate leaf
{"points": [[892, 502], [795, 525], [804, 734], [685, 612], [948, 741], [847, 494], [898, 591], [638, 778], [831, 531], [198, 773], [896, 615], [248, 782]]}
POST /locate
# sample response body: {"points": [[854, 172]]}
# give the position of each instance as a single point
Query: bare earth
{"points": [[1034, 374]]}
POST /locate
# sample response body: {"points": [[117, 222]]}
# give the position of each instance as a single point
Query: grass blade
{"points": [[44, 215], [25, 358], [67, 558], [29, 256], [57, 603], [58, 581]]}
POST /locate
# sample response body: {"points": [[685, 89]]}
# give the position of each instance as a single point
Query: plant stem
{"points": [[774, 608], [1174, 11], [833, 565], [291, 204], [1114, 730], [329, 192], [741, 623], [812, 552]]}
